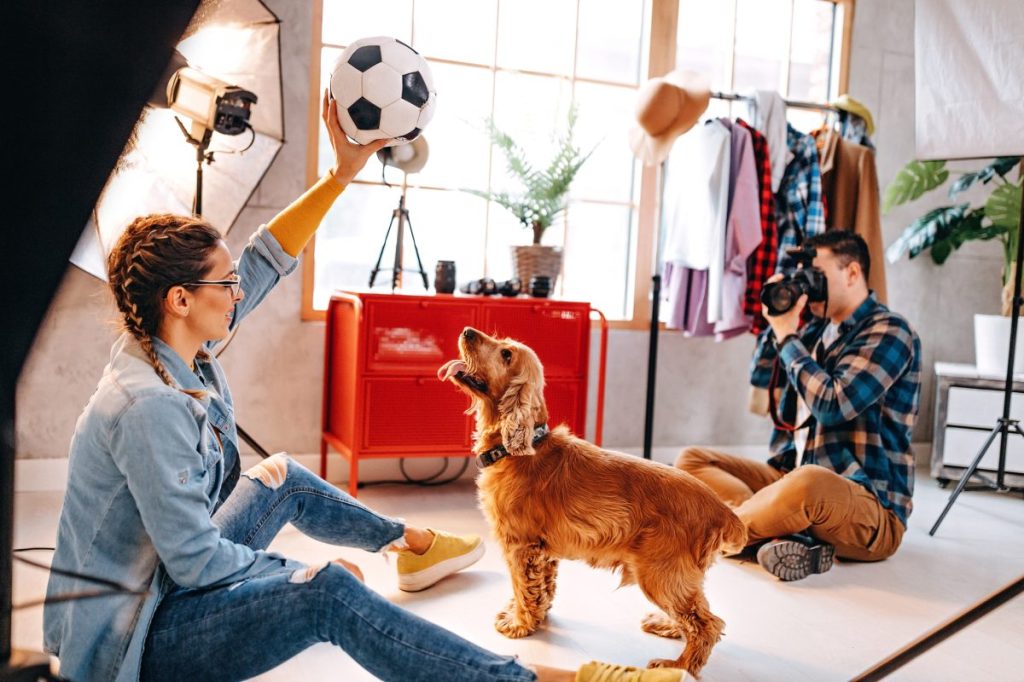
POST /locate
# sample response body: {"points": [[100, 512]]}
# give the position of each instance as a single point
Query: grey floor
{"points": [[828, 627]]}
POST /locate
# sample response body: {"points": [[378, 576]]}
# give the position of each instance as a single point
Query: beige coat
{"points": [[850, 183]]}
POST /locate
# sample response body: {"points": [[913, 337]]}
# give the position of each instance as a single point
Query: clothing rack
{"points": [[796, 104], [652, 354]]}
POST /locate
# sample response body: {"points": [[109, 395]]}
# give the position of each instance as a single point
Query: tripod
{"points": [[402, 215], [1004, 425]]}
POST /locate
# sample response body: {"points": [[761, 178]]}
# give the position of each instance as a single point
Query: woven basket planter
{"points": [[533, 260]]}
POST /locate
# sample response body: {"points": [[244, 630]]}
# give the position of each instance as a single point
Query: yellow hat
{"points": [[847, 103]]}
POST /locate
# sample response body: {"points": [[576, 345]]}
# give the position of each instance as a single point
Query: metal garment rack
{"points": [[652, 353]]}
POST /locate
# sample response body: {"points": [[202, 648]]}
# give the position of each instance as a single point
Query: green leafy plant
{"points": [[545, 190], [943, 230]]}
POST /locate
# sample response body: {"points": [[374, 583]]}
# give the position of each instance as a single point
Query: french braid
{"points": [[153, 254]]}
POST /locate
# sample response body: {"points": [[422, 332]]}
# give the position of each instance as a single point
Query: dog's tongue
{"points": [[450, 369]]}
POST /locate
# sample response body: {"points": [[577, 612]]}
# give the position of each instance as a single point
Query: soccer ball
{"points": [[384, 89]]}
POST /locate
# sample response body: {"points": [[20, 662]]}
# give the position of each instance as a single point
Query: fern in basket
{"points": [[545, 190]]}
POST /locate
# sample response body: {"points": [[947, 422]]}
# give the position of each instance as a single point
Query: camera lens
{"points": [[781, 296]]}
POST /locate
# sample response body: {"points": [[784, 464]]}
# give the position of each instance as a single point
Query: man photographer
{"points": [[841, 476]]}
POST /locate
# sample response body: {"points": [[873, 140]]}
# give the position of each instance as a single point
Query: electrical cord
{"points": [[424, 482], [116, 588]]}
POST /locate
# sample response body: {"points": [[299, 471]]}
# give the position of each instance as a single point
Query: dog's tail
{"points": [[733, 535]]}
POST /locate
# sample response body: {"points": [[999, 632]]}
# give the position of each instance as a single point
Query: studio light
{"points": [[210, 103]]}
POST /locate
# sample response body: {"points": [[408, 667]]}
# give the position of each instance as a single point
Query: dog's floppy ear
{"points": [[515, 410], [522, 405]]}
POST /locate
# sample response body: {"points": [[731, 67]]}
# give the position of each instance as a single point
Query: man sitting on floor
{"points": [[841, 481]]}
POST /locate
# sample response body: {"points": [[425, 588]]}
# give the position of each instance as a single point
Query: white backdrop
{"points": [[969, 73]]}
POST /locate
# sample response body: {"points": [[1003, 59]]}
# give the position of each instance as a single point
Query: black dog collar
{"points": [[498, 452]]}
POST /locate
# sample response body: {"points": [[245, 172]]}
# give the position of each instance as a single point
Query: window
{"points": [[594, 53]]}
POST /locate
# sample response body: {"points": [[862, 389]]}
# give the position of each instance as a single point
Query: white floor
{"points": [[828, 627]]}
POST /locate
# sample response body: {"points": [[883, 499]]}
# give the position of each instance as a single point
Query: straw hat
{"points": [[666, 108]]}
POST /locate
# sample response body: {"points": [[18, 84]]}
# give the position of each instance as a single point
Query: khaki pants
{"points": [[810, 498]]}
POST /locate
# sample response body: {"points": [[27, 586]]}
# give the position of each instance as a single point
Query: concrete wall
{"points": [[701, 385]]}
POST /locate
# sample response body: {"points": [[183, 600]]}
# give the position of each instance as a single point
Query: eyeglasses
{"points": [[234, 284]]}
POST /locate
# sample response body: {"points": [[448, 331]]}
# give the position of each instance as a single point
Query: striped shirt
{"points": [[863, 392]]}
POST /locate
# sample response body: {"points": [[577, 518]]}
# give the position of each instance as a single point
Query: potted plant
{"points": [[542, 199], [943, 230]]}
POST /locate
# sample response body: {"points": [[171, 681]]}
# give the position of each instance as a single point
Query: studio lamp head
{"points": [[210, 103]]}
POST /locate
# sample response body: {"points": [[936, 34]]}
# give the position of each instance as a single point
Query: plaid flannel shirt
{"points": [[799, 202], [762, 262], [863, 393]]}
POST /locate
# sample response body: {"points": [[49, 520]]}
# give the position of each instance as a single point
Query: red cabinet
{"points": [[382, 397]]}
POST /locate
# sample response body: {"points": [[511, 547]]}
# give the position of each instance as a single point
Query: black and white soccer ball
{"points": [[384, 89]]}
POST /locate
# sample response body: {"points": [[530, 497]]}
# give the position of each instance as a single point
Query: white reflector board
{"points": [[969, 75]]}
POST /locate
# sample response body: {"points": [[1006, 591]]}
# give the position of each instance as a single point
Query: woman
{"points": [[155, 499]]}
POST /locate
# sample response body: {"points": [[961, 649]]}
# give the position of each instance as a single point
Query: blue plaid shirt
{"points": [[798, 203], [863, 392]]}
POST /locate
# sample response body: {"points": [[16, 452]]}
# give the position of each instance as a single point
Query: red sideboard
{"points": [[382, 397]]}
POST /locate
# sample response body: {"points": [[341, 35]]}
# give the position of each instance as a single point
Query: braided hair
{"points": [[153, 254]]}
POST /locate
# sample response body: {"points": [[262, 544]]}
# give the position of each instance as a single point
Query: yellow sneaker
{"points": [[447, 554], [596, 671]]}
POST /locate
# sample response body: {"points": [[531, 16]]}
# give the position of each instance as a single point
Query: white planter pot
{"points": [[992, 345]]}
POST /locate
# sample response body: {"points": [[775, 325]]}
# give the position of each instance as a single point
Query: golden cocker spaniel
{"points": [[549, 495]]}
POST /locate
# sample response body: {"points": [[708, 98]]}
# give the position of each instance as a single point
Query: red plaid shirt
{"points": [[761, 263]]}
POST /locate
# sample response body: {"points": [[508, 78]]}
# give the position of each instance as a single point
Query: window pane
{"points": [[609, 40], [704, 40], [811, 52], [448, 225], [606, 113], [349, 240], [762, 29], [537, 35], [459, 146], [470, 38], [531, 109], [346, 21], [599, 257]]}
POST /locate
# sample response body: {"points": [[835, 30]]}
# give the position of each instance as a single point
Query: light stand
{"points": [[401, 214], [201, 141], [1004, 424]]}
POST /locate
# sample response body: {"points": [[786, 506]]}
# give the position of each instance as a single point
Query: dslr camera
{"points": [[798, 277]]}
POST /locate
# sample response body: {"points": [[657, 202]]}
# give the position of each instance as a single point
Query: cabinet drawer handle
{"points": [[424, 304]]}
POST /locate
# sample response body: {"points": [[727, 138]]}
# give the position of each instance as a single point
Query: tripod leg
{"points": [[376, 268], [1000, 427], [416, 249], [396, 274], [252, 443]]}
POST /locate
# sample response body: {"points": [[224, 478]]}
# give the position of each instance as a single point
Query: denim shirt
{"points": [[148, 466]]}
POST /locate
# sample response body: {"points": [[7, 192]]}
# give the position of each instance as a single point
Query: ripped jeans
{"points": [[238, 631]]}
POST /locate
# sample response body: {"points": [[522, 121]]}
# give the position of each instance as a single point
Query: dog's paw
{"points": [[662, 663], [661, 625], [507, 624]]}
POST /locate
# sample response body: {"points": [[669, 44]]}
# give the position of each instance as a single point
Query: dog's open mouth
{"points": [[456, 369]]}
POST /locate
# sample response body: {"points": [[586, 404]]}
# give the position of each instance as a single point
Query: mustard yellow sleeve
{"points": [[294, 226]]}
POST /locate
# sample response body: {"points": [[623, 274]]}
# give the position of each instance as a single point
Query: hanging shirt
{"points": [[694, 210], [767, 112], [742, 234], [799, 206], [763, 261], [850, 184]]}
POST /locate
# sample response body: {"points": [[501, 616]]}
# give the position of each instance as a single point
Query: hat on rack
{"points": [[849, 104], [667, 106]]}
